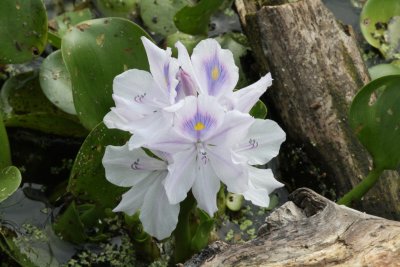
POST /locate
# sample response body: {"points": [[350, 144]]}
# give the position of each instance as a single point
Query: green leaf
{"points": [[88, 185], [117, 8], [70, 226], [23, 30], [189, 41], [67, 20], [10, 180], [380, 25], [195, 19], [202, 234], [381, 70], [375, 118], [5, 156], [23, 104], [158, 15], [95, 52], [56, 82], [259, 110], [87, 182]]}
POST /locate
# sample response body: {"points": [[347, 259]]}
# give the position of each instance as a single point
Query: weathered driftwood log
{"points": [[317, 69], [310, 230]]}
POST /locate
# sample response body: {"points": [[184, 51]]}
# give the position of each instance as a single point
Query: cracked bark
{"points": [[310, 230], [317, 70]]}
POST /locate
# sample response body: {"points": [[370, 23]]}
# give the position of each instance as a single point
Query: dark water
{"points": [[345, 12]]}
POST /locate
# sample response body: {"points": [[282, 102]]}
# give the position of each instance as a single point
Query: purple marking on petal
{"points": [[216, 74], [186, 86], [191, 125], [166, 76]]}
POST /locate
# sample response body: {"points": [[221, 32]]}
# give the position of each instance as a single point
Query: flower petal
{"points": [[188, 83], [206, 185], [139, 88], [163, 68], [261, 144], [244, 99], [124, 167], [261, 184], [233, 129], [159, 218], [199, 117], [150, 128], [235, 176], [263, 178], [214, 68], [133, 199], [181, 175]]}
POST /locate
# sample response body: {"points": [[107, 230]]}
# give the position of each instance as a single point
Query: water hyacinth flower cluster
{"points": [[186, 112]]}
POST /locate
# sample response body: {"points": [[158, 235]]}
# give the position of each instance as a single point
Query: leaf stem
{"points": [[182, 233], [54, 39], [362, 188], [5, 154]]}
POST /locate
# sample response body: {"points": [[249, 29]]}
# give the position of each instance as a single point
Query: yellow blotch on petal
{"points": [[199, 126], [215, 73]]}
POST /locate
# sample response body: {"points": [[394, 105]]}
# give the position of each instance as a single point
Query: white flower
{"points": [[211, 70], [201, 143], [140, 97], [187, 112], [134, 168]]}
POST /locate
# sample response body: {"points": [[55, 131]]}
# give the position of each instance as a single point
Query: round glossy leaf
{"points": [[23, 30], [375, 117], [158, 16], [374, 20], [10, 179], [87, 181], [381, 70], [117, 8], [23, 104], [95, 52], [56, 83], [65, 21], [189, 41]]}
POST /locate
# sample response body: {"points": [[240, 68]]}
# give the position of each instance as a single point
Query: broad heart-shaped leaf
{"points": [[23, 104], [23, 30], [95, 52], [158, 16], [65, 21], [10, 179], [117, 8], [378, 23], [5, 156], [56, 82], [87, 182], [375, 117], [195, 19], [60, 24]]}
